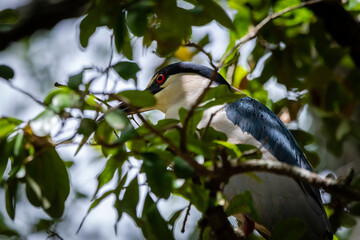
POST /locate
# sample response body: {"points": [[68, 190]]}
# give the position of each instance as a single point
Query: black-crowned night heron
{"points": [[246, 121]]}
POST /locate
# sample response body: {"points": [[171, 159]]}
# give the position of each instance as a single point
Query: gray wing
{"points": [[256, 119]]}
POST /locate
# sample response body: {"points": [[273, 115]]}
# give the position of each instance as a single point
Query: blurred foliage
{"points": [[294, 49]]}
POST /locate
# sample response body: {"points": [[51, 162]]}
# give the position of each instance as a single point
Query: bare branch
{"points": [[303, 175], [110, 60], [186, 217], [200, 169], [27, 94], [41, 14], [201, 49]]}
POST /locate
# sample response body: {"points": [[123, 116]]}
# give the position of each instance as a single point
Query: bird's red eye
{"points": [[160, 79]]}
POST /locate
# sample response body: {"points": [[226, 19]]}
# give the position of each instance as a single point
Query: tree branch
{"points": [[216, 218], [200, 169], [201, 49], [41, 14], [27, 94], [303, 175], [186, 217]]}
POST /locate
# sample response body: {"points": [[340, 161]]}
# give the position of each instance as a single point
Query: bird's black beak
{"points": [[154, 89], [124, 107]]}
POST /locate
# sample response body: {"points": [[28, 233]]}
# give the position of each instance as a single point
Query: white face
{"points": [[180, 90]]}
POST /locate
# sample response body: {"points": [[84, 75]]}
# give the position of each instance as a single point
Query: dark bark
{"points": [[41, 14], [221, 228]]}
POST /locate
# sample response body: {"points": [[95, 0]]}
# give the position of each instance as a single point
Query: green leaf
{"points": [[6, 72], [117, 119], [175, 216], [210, 134], [292, 18], [138, 98], [196, 194], [354, 209], [48, 99], [242, 203], [7, 126], [342, 130], [291, 228], [75, 81], [87, 126], [126, 70], [105, 133], [219, 95], [113, 163], [47, 182], [65, 99], [18, 143], [137, 19], [158, 178], [10, 196], [44, 224], [249, 151], [166, 123], [347, 220], [217, 12], [4, 157], [242, 21], [21, 153], [9, 16], [127, 48], [194, 120], [120, 32], [161, 125], [197, 16], [6, 230], [155, 227], [88, 26], [353, 5], [182, 169], [234, 150], [130, 200]]}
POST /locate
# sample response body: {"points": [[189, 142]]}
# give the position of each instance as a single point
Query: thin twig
{"points": [[201, 49], [27, 94], [254, 32], [210, 120], [186, 217], [56, 84], [110, 60], [53, 234], [200, 169]]}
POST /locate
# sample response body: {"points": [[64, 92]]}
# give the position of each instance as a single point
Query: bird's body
{"points": [[247, 121]]}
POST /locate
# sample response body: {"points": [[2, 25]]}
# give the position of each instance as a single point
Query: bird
{"points": [[247, 121]]}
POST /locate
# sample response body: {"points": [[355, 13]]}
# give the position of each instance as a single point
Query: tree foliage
{"points": [[298, 50]]}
